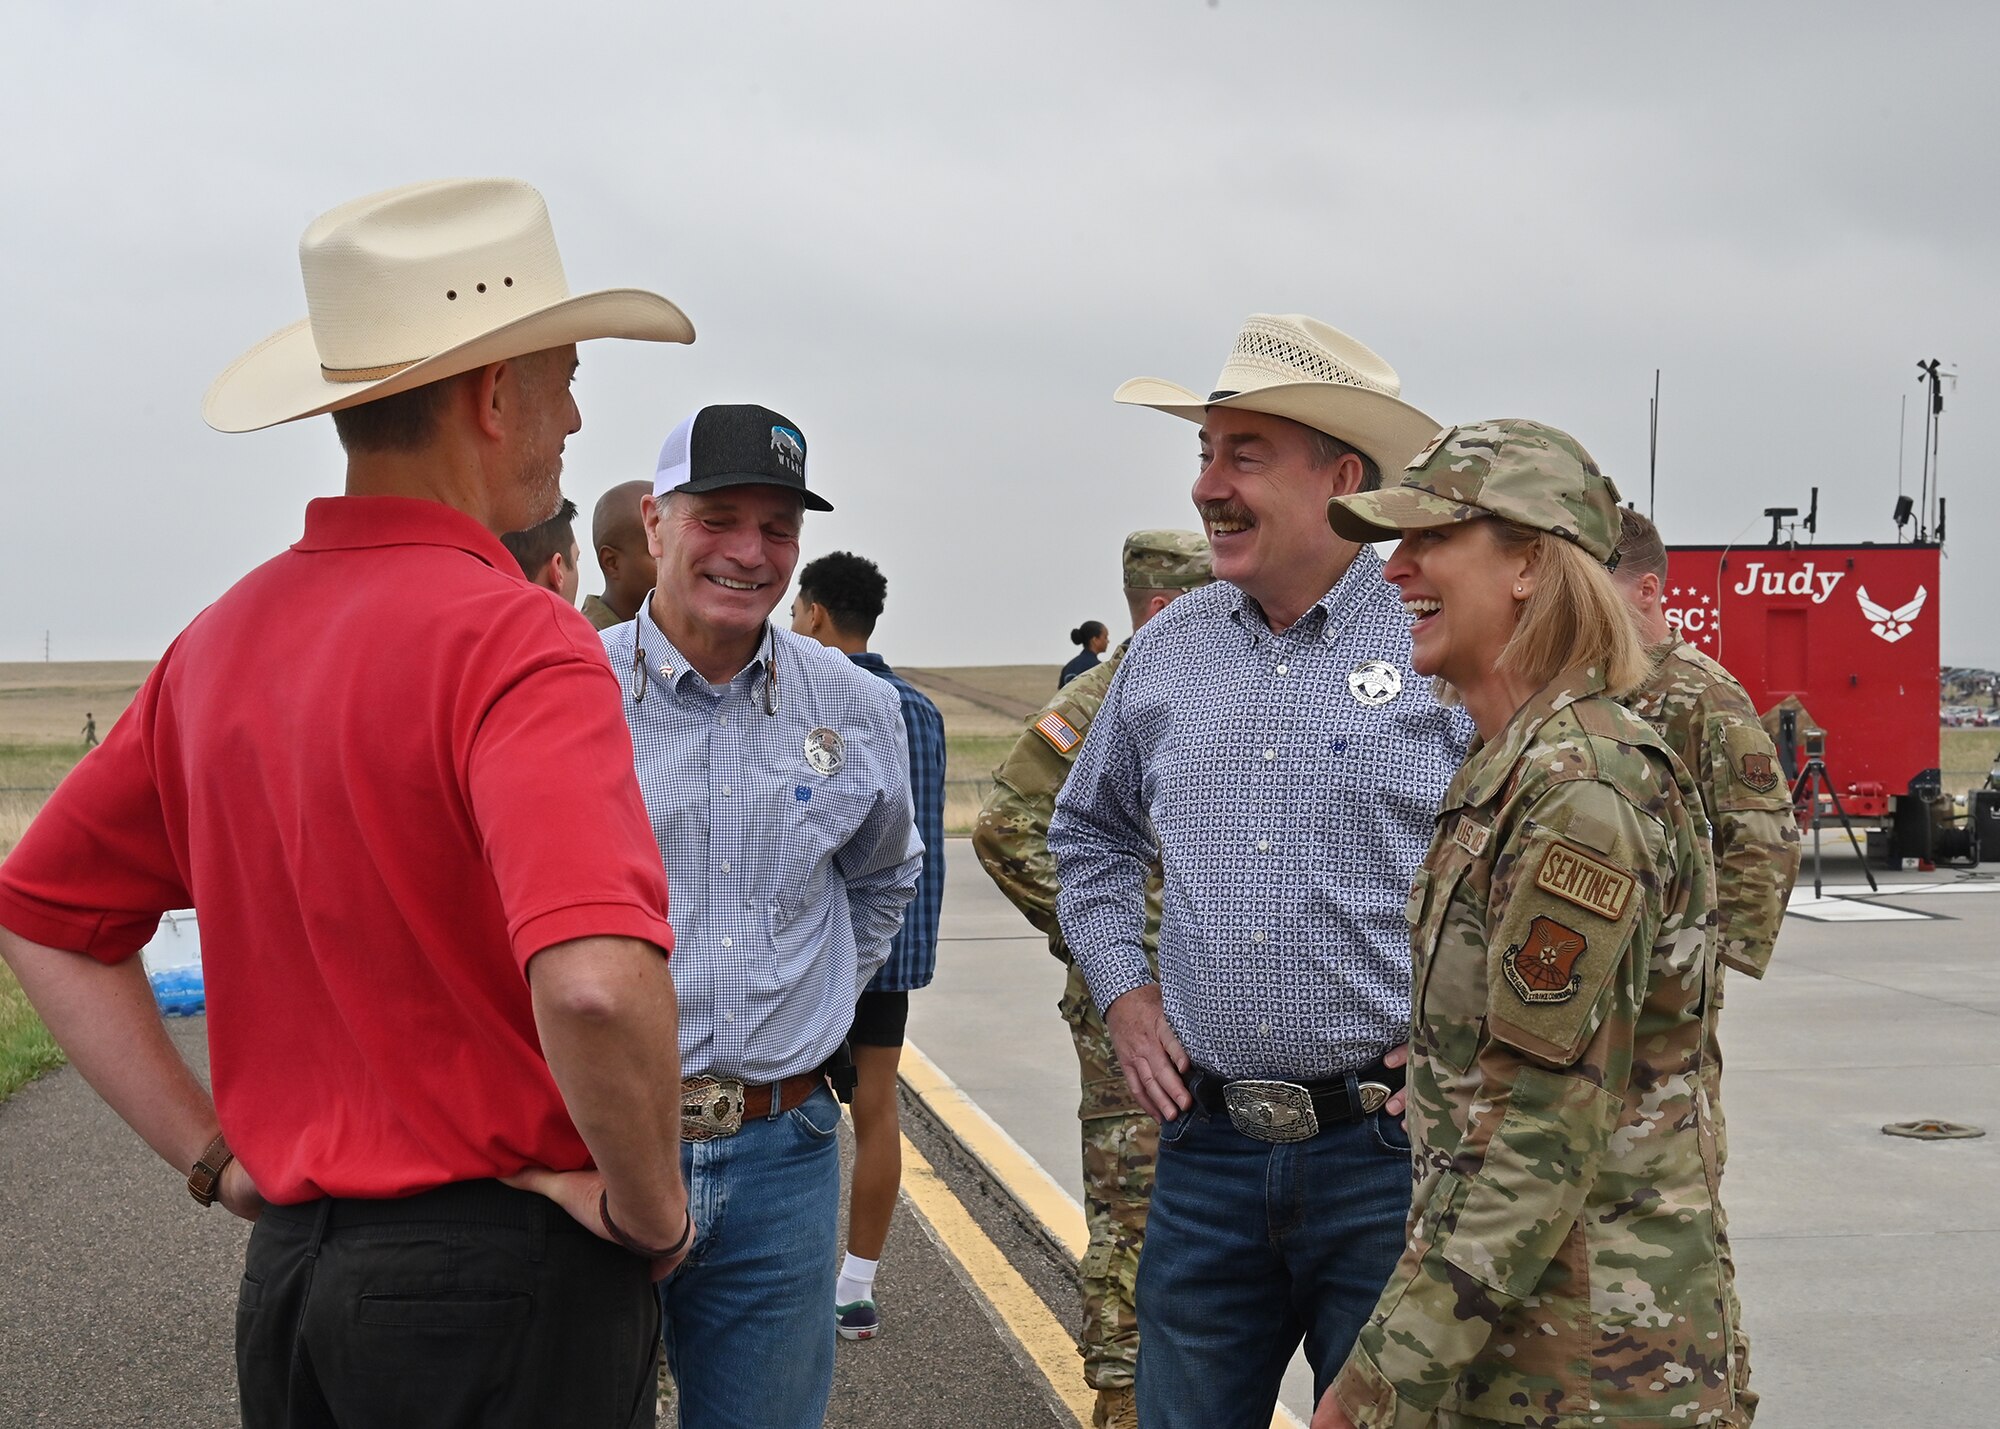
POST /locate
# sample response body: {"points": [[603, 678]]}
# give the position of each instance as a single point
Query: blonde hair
{"points": [[1574, 616]]}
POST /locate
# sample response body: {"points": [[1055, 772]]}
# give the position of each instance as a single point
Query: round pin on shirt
{"points": [[1375, 682], [825, 750]]}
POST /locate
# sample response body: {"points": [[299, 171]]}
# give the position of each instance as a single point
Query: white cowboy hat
{"points": [[419, 283], [1299, 367]]}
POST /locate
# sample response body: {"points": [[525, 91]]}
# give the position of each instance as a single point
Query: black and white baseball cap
{"points": [[735, 444]]}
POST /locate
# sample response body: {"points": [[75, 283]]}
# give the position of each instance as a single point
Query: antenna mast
{"points": [[1653, 448], [1930, 518]]}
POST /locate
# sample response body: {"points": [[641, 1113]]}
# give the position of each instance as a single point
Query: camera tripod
{"points": [[1813, 780]]}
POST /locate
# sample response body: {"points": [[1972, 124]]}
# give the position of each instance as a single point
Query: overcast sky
{"points": [[938, 236]]}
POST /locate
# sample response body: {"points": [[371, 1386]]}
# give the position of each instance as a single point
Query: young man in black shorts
{"points": [[840, 598]]}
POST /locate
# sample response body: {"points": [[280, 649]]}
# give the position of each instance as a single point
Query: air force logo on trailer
{"points": [[1890, 625], [1375, 682]]}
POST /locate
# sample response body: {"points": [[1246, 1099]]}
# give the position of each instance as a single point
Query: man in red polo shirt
{"points": [[433, 911]]}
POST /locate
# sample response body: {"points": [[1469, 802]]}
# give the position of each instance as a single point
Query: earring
{"points": [[1520, 591]]}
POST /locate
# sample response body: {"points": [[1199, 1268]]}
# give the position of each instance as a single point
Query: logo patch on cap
{"points": [[1062, 737], [791, 450]]}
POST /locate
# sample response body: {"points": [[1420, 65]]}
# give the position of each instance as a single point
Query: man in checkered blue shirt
{"points": [[1267, 740], [840, 598], [776, 776]]}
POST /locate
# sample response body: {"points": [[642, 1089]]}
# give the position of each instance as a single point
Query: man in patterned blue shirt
{"points": [[840, 598], [1267, 739], [775, 775]]}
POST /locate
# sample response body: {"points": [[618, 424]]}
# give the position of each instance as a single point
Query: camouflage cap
{"points": [[1167, 560], [1522, 471]]}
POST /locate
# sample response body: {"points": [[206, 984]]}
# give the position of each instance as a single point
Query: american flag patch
{"points": [[1062, 737]]}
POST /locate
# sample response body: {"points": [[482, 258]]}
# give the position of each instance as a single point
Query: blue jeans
{"points": [[747, 1319], [1251, 1246]]}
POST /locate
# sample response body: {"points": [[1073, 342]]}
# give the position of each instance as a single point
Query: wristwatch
{"points": [[205, 1181]]}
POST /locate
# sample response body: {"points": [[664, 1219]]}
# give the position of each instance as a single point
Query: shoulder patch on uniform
{"points": [[1062, 737], [1542, 966], [1471, 835], [1758, 771], [1591, 884]]}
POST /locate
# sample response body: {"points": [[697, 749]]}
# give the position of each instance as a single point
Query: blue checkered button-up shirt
{"points": [[785, 883], [913, 956], [1292, 795]]}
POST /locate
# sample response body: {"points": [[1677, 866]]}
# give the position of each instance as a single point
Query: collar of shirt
{"points": [[1324, 619], [1488, 765], [869, 660], [350, 523], [670, 670]]}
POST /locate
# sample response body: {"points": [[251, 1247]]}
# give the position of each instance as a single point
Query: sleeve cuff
{"points": [[1112, 975], [108, 937], [589, 920], [1368, 1398]]}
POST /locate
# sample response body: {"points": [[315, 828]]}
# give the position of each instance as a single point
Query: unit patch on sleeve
{"points": [[1542, 966], [1759, 771], [1592, 885], [1062, 737]]}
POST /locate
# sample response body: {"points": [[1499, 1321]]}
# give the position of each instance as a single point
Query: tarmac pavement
{"points": [[116, 1290], [1866, 1261]]}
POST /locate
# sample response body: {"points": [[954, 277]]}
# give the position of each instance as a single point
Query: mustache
{"points": [[1226, 511]]}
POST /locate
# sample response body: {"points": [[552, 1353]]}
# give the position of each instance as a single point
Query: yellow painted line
{"points": [[1029, 1183], [1024, 1178], [1014, 1302]]}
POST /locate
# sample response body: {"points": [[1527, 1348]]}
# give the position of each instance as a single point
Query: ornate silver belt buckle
{"points": [[710, 1107], [1271, 1111], [1374, 1096]]}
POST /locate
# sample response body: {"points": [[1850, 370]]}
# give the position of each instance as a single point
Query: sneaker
{"points": [[857, 1320]]}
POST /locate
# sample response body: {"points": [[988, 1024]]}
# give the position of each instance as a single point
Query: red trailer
{"points": [[1852, 633]]}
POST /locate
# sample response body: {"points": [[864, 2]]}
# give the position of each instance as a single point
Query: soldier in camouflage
{"points": [[1011, 839], [1708, 721], [1562, 1265]]}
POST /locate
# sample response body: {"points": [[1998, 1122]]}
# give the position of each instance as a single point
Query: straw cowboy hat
{"points": [[418, 283], [1298, 367]]}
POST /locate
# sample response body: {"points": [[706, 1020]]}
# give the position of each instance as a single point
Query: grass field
{"points": [[984, 709], [26, 1049], [1965, 756]]}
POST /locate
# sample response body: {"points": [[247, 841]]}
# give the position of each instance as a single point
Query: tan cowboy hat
{"points": [[1298, 367], [418, 283]]}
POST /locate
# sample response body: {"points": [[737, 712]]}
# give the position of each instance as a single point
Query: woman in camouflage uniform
{"points": [[1562, 1266]]}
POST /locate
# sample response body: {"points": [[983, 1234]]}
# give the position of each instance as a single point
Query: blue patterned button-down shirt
{"points": [[1292, 795], [913, 956], [785, 883]]}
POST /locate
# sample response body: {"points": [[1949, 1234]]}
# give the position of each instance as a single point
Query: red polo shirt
{"points": [[386, 772]]}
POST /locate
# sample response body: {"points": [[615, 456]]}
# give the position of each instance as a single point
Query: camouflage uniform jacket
{"points": [[1561, 1267], [1012, 837], [1708, 721], [599, 614]]}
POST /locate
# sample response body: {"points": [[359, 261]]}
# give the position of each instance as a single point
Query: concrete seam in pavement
{"points": [[1042, 1201]]}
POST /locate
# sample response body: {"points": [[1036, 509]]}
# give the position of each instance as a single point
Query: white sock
{"points": [[857, 1281]]}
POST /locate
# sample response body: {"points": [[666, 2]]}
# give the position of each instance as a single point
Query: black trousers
{"points": [[474, 1304]]}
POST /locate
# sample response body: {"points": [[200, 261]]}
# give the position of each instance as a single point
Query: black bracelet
{"points": [[612, 1229]]}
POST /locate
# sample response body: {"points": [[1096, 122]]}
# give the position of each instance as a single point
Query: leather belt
{"points": [[718, 1106], [1293, 1111]]}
